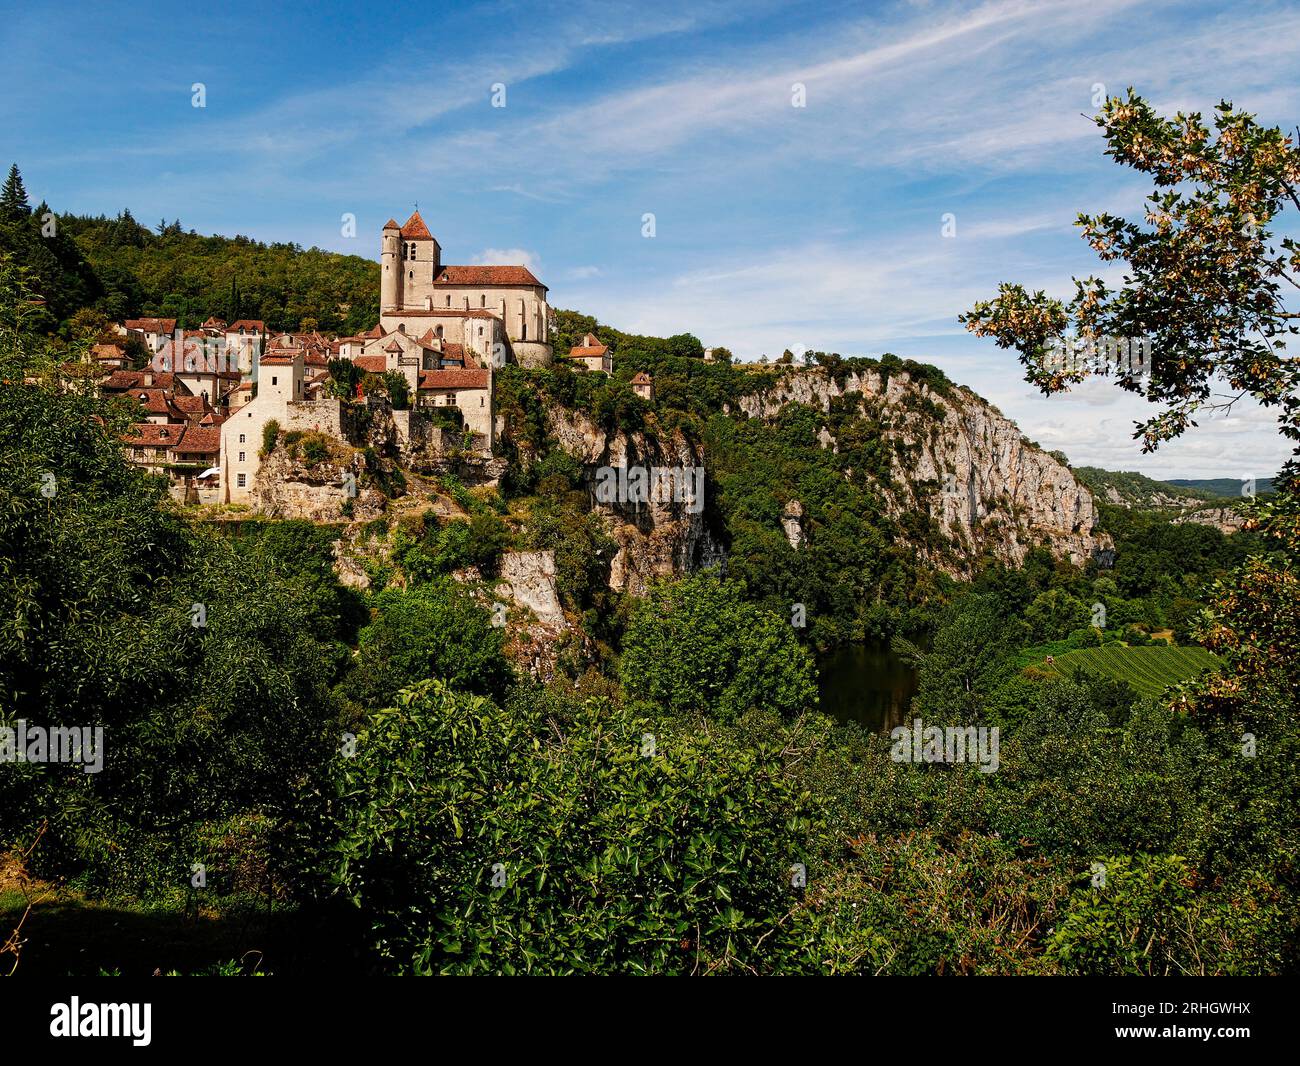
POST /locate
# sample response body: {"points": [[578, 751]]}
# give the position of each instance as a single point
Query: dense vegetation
{"points": [[371, 766]]}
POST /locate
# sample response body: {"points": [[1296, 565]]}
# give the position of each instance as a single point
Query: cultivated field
{"points": [[1148, 670]]}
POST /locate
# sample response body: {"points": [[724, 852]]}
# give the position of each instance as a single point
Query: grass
{"points": [[1149, 670]]}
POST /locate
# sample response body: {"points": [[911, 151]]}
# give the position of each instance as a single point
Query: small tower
{"points": [[390, 281]]}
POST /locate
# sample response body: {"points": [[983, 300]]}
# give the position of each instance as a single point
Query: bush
{"points": [[479, 840], [270, 433]]}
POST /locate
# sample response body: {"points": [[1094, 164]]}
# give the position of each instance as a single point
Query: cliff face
{"points": [[957, 459], [662, 536]]}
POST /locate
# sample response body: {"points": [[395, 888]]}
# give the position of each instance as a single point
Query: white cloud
{"points": [[510, 257]]}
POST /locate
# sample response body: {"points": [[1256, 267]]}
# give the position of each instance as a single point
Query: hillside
{"points": [[126, 270], [1128, 488]]}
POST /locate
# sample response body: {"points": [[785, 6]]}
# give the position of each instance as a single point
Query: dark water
{"points": [[867, 684]]}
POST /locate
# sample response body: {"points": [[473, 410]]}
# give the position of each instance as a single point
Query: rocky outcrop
{"points": [[959, 460], [792, 523], [663, 535], [1224, 519], [528, 578], [326, 490]]}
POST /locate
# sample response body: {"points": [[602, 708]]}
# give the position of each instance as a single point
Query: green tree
{"points": [[696, 647], [431, 630], [13, 198]]}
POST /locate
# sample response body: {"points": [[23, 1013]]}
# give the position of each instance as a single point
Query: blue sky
{"points": [[776, 226]]}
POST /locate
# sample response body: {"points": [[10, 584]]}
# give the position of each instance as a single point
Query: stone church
{"points": [[499, 313]]}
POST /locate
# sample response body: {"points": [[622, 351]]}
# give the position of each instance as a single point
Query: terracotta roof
{"points": [[191, 405], [277, 359], [373, 364], [254, 325], [391, 224], [152, 325], [454, 379], [642, 379], [588, 353], [157, 402], [393, 346], [486, 275], [415, 229], [212, 419], [378, 331], [107, 351], [200, 439], [146, 434], [214, 323]]}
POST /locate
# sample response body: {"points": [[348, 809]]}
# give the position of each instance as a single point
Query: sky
{"points": [[775, 226]]}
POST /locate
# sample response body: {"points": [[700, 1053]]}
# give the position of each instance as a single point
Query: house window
{"points": [[241, 438], [241, 456], [482, 300], [242, 480], [273, 379]]}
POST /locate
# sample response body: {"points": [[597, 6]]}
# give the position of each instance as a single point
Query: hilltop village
{"points": [[208, 396]]}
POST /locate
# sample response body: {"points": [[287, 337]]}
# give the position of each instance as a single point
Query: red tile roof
{"points": [[152, 325], [249, 325], [157, 402], [415, 229], [454, 379], [146, 434], [642, 379], [372, 364], [588, 353], [391, 224], [107, 351], [487, 275], [191, 405], [203, 440]]}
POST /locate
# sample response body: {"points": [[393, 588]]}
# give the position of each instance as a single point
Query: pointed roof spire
{"points": [[415, 229], [391, 224]]}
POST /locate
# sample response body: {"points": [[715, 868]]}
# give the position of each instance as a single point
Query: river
{"points": [[867, 684]]}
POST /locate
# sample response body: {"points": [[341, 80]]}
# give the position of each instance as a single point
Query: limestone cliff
{"points": [[958, 459], [660, 537]]}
